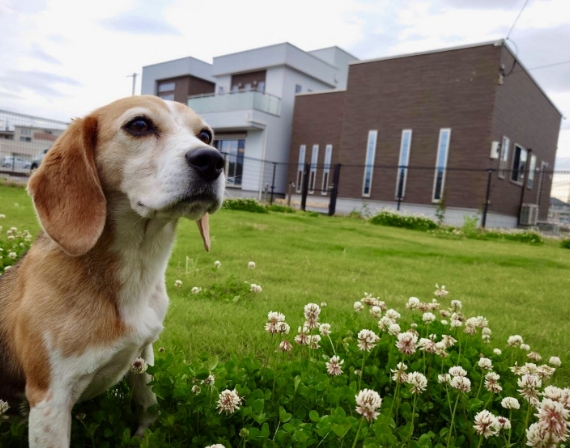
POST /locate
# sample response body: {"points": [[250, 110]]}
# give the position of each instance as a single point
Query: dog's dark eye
{"points": [[205, 136], [140, 126]]}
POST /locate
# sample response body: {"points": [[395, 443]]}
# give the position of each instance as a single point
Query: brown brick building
{"points": [[447, 116]]}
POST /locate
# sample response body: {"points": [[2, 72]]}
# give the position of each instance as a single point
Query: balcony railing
{"points": [[244, 100]]}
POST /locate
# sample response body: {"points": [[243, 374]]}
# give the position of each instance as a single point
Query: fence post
{"points": [[334, 190], [305, 187], [400, 187], [273, 183], [523, 186], [487, 194]]}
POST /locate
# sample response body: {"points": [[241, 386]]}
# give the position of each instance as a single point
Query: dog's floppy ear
{"points": [[66, 190]]}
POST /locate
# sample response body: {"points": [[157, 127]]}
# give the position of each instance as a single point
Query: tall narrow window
{"points": [[531, 168], [519, 164], [403, 162], [441, 164], [504, 159], [300, 168], [369, 167], [327, 169], [313, 172]]}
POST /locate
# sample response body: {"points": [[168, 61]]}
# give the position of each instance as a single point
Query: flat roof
{"points": [[177, 59], [495, 43], [321, 92]]}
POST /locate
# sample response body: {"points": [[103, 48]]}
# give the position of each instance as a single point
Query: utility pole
{"points": [[134, 76]]}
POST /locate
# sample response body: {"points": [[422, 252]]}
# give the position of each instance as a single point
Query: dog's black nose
{"points": [[208, 162]]}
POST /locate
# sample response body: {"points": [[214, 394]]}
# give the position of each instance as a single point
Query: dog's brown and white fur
{"points": [[89, 297]]}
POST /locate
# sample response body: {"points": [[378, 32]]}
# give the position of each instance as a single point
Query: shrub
{"points": [[390, 387], [396, 219], [280, 208], [565, 244], [244, 204]]}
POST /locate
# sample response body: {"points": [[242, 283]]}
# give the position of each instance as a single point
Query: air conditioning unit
{"points": [[529, 214]]}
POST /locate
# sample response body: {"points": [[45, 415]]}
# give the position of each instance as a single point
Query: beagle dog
{"points": [[89, 297]]}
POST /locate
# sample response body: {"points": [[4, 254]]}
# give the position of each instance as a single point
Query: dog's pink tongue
{"points": [[204, 227]]}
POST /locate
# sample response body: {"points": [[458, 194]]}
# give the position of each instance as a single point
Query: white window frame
{"points": [[504, 156], [523, 180], [300, 168], [327, 170], [369, 161], [531, 170], [313, 171], [444, 166], [403, 163]]}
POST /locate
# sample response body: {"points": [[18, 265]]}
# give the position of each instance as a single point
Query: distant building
{"points": [[559, 212], [248, 98], [473, 107]]}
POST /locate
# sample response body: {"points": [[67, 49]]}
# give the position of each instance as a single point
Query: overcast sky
{"points": [[61, 59]]}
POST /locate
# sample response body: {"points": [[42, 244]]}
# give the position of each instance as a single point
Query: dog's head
{"points": [[156, 153]]}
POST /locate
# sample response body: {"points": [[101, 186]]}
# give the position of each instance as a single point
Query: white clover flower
{"points": [[486, 424], [418, 381], [196, 290], [312, 311], [456, 305], [314, 341], [413, 325], [334, 366], [367, 340], [210, 380], [178, 283], [497, 351], [553, 416], [228, 401], [555, 361], [251, 265], [196, 389], [444, 313], [275, 316], [367, 402], [384, 323], [428, 318], [139, 366], [394, 329], [440, 349], [492, 383], [12, 255], [504, 423], [444, 322], [535, 356], [285, 346], [3, 407], [444, 378], [537, 435], [323, 304], [303, 337], [217, 445], [393, 314], [528, 387], [311, 324], [515, 341], [217, 264], [461, 383], [400, 374], [255, 288], [440, 292], [325, 329], [413, 303], [376, 312], [525, 347], [282, 328], [358, 306], [407, 342], [2, 216], [456, 323], [449, 341], [510, 403], [457, 371], [486, 331], [485, 364]]}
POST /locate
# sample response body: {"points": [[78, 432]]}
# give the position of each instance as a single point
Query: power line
{"points": [[516, 20], [550, 65]]}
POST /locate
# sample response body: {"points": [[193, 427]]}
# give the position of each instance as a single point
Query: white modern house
{"points": [[248, 98]]}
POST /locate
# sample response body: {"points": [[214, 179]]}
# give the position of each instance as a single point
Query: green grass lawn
{"points": [[522, 289]]}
